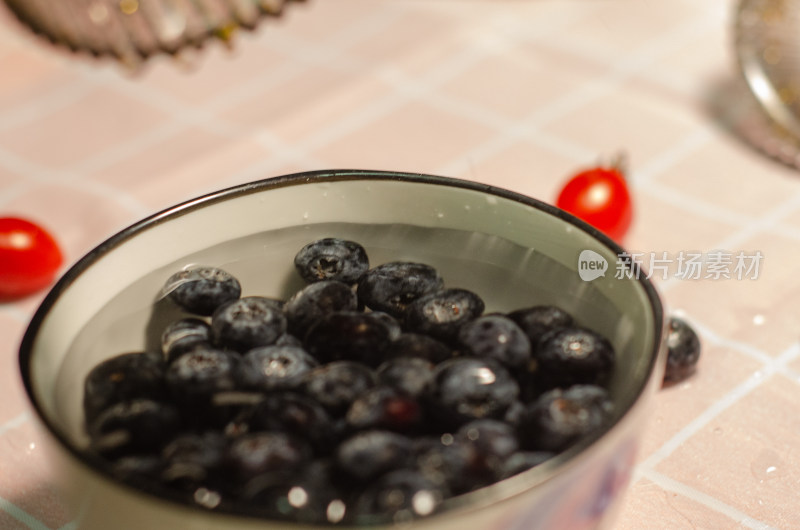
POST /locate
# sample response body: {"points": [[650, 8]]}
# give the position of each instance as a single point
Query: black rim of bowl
{"points": [[468, 501]]}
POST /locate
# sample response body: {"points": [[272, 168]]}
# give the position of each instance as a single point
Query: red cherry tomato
{"points": [[600, 197], [29, 258]]}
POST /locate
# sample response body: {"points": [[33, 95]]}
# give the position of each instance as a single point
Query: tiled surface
{"points": [[516, 94]]}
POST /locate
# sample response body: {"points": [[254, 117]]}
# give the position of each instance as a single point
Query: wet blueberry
{"points": [[560, 417], [523, 461], [392, 286], [466, 389], [336, 385], [184, 335], [418, 345], [496, 337], [202, 290], [294, 414], [248, 323], [138, 467], [452, 463], [369, 454], [332, 259], [391, 323], [537, 320], [569, 356], [384, 407], [495, 440], [134, 427], [411, 375], [275, 367], [308, 496], [195, 377], [253, 454], [192, 460], [122, 378], [316, 300], [349, 336], [683, 351], [442, 313], [398, 496]]}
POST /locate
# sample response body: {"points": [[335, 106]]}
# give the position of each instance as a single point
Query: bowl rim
{"points": [[459, 503]]}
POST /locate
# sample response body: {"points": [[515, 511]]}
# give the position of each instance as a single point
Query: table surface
{"points": [[518, 94]]}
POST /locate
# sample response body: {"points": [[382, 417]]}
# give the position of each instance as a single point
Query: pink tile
{"points": [[756, 312], [79, 219], [215, 169], [659, 226], [13, 401], [26, 480], [98, 121], [413, 137], [214, 71], [719, 371], [525, 168], [740, 185], [510, 83], [8, 178], [747, 457], [626, 119], [319, 21], [647, 505], [36, 75], [155, 162], [279, 104]]}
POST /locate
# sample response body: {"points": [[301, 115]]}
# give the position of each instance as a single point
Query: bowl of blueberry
{"points": [[347, 349]]}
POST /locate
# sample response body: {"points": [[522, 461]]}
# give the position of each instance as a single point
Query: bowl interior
{"points": [[512, 251]]}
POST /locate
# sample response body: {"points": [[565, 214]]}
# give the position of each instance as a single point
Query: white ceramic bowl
{"points": [[512, 250]]}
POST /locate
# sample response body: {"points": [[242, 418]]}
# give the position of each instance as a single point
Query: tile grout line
{"points": [[21, 515], [706, 500], [20, 419]]}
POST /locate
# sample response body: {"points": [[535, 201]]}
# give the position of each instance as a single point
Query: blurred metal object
{"points": [[767, 41], [134, 30]]}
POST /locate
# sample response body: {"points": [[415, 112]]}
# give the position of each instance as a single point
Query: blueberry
{"points": [[315, 301], [307, 496], [391, 323], [336, 385], [418, 345], [138, 467], [465, 389], [411, 375], [287, 339], [253, 454], [398, 496], [275, 367], [683, 351], [202, 290], [495, 440], [384, 407], [294, 414], [392, 286], [523, 461], [332, 259], [193, 459], [369, 454], [349, 336], [122, 378], [569, 356], [496, 337], [453, 464], [133, 427], [248, 323], [441, 313], [184, 335], [195, 377], [537, 320], [560, 417]]}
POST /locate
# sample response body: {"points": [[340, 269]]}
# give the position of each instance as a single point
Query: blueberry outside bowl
{"points": [[512, 250]]}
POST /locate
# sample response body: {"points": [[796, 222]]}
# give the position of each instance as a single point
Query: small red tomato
{"points": [[29, 258], [600, 197]]}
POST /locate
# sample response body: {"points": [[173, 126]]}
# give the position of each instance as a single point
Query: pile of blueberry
{"points": [[371, 395]]}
